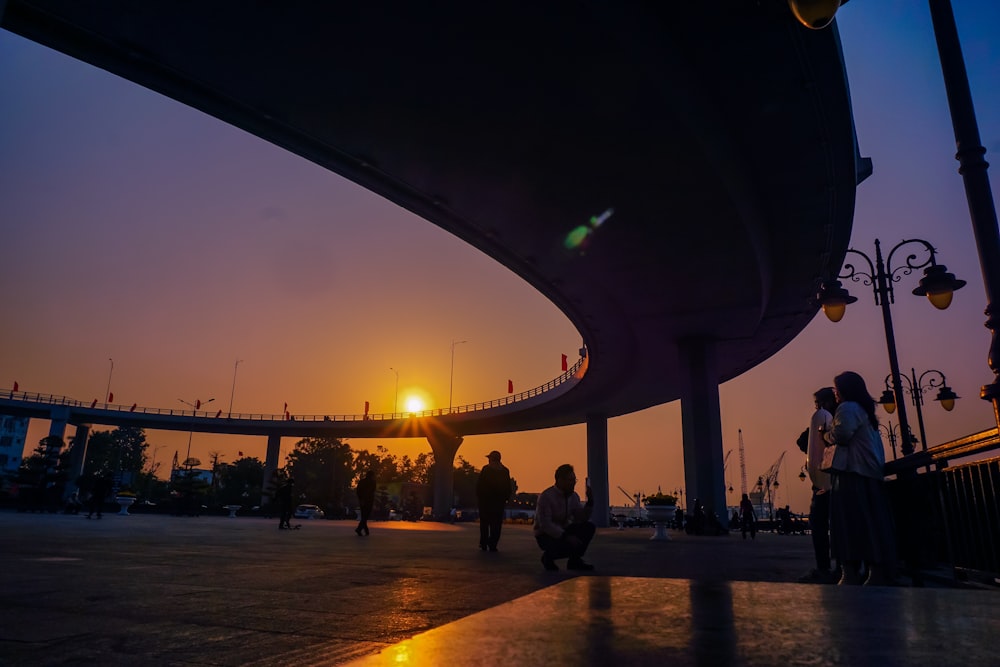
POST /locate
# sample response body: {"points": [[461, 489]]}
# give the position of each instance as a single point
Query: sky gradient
{"points": [[137, 229]]}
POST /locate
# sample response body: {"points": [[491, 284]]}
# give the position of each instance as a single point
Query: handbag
{"points": [[834, 459]]}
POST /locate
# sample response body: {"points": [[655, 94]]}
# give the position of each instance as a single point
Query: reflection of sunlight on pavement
{"points": [[417, 525]]}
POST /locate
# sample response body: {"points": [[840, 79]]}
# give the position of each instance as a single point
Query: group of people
{"points": [[562, 522], [849, 516], [562, 526]]}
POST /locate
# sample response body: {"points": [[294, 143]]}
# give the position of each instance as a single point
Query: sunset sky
{"points": [[137, 229]]}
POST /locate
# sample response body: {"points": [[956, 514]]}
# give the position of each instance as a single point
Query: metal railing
{"points": [[949, 515], [574, 373]]}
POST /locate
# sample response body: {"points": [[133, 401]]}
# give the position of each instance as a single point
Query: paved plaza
{"points": [[164, 590]]}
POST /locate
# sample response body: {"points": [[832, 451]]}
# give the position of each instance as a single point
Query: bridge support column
{"points": [[444, 446], [59, 417], [701, 423], [270, 466], [597, 468]]}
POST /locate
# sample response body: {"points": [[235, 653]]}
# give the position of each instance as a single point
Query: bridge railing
{"points": [[946, 502], [573, 373]]}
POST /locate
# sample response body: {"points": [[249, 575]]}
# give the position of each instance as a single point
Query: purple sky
{"points": [[137, 229]]}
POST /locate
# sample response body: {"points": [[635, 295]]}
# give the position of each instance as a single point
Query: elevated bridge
{"points": [[675, 177]]}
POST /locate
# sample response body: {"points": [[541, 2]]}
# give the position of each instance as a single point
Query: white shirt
{"points": [[821, 419]]}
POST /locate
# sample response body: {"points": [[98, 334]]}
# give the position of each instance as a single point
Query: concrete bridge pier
{"points": [[270, 466], [701, 425], [58, 418], [444, 446], [597, 469]]}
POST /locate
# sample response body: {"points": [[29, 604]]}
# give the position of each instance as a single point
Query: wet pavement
{"points": [[163, 590]]}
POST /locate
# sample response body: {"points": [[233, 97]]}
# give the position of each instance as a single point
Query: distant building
{"points": [[13, 433]]}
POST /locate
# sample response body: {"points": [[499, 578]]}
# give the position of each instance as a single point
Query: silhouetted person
{"points": [[861, 526], [696, 522], [366, 498], [748, 519], [819, 508], [562, 523], [492, 492], [98, 492], [284, 499]]}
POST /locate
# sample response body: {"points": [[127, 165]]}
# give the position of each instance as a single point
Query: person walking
{"points": [[366, 499], [98, 492], [492, 493], [748, 519], [284, 498], [819, 508], [562, 523], [861, 526]]}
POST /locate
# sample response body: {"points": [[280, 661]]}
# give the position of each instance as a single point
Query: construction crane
{"points": [[633, 497], [769, 480], [725, 469], [743, 466]]}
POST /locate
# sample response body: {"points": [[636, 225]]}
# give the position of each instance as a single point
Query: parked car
{"points": [[309, 512]]}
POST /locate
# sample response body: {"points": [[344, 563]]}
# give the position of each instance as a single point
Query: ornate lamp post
{"points": [[916, 389], [937, 285], [892, 432], [971, 158]]}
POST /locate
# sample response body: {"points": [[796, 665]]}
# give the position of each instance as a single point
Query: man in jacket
{"points": [[562, 523], [492, 493]]}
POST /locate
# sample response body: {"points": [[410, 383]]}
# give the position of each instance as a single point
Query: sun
{"points": [[415, 404]]}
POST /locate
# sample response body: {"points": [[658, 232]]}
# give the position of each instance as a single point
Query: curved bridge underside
{"points": [[704, 153]]}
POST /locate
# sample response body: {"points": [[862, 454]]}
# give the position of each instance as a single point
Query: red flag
{"points": [[15, 385], [240, 454], [218, 413], [287, 416], [111, 396], [510, 386], [565, 363], [197, 403], [134, 406], [94, 403], [366, 407]]}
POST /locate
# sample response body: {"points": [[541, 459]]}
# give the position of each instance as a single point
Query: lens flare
{"points": [[581, 235]]}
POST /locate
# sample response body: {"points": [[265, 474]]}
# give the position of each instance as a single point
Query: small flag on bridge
{"points": [[197, 403], [240, 454], [217, 414], [15, 385], [510, 386], [565, 363], [111, 396], [94, 403], [134, 406]]}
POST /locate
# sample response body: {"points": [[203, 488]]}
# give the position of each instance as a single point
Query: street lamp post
{"points": [[107, 391], [936, 284], [970, 156], [891, 431], [451, 381], [194, 406], [233, 392], [916, 388], [395, 404]]}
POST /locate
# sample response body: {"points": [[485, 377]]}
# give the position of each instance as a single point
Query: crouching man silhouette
{"points": [[562, 523]]}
